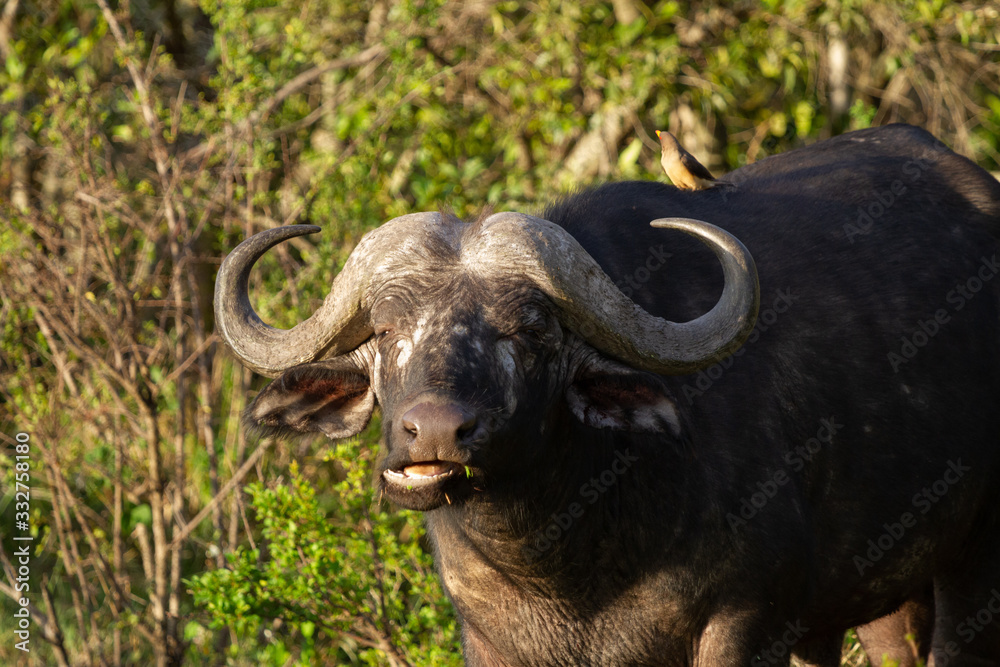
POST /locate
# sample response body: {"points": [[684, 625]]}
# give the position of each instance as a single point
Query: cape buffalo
{"points": [[631, 452]]}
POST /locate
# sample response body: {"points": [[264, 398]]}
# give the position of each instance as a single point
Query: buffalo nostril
{"points": [[409, 426], [467, 426]]}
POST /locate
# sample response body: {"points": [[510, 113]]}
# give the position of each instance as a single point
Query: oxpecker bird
{"points": [[681, 167]]}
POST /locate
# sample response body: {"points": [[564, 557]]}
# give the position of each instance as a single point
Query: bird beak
{"points": [[657, 134]]}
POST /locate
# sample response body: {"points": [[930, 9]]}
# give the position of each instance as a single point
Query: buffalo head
{"points": [[475, 339]]}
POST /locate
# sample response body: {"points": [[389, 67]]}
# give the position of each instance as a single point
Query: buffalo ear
{"points": [[623, 399], [327, 396]]}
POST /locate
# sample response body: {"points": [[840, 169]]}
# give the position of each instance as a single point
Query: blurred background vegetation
{"points": [[139, 142]]}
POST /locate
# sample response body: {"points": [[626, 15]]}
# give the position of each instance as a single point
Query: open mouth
{"points": [[425, 485], [421, 475]]}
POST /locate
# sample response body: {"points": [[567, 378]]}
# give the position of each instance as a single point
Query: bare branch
{"points": [[218, 498]]}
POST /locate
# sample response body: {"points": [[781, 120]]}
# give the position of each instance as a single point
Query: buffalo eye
{"points": [[531, 338], [531, 328], [532, 334]]}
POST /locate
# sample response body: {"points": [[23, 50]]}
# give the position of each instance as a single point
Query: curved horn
{"points": [[598, 311], [340, 324]]}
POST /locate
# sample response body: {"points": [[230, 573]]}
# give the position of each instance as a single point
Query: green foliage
{"points": [[334, 568]]}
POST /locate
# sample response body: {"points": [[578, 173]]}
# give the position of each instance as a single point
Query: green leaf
{"points": [[141, 514]]}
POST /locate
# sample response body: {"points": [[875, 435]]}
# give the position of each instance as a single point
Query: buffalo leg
{"points": [[742, 638], [903, 636]]}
